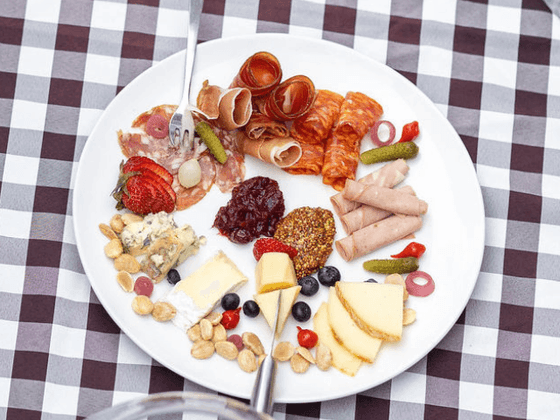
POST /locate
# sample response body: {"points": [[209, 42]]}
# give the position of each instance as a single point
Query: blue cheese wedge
{"points": [[197, 295]]}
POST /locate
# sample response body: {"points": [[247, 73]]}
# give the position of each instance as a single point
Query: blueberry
{"points": [[328, 275], [230, 301], [251, 308], [371, 281], [173, 276], [301, 311], [309, 285]]}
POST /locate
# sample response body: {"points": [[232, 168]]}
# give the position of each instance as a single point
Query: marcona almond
{"points": [[253, 343], [299, 364], [206, 329], [163, 311], [398, 280], [142, 305], [247, 360], [323, 357], [194, 333], [129, 218], [126, 262], [226, 349], [283, 351], [107, 231], [126, 281], [214, 317], [306, 354], [220, 333], [116, 223], [202, 349], [409, 316], [114, 248]]}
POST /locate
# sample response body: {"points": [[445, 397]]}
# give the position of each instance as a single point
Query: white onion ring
{"points": [[419, 290], [374, 133]]}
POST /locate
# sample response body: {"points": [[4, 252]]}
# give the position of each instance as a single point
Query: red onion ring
{"points": [[419, 290], [374, 133]]}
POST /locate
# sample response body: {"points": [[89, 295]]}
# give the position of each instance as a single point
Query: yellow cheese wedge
{"points": [[342, 360], [274, 271], [197, 295], [347, 333], [267, 303], [375, 308]]}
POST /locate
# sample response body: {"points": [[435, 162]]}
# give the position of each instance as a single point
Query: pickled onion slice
{"points": [[419, 289], [374, 133]]}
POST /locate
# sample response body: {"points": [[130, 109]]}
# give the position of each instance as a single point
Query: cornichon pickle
{"points": [[391, 266], [395, 151], [212, 141]]}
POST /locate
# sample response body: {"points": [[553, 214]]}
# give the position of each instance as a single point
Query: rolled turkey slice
{"points": [[389, 175], [395, 201], [281, 151], [377, 235]]}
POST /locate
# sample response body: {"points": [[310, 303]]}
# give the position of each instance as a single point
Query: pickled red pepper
{"points": [[409, 132], [413, 249]]}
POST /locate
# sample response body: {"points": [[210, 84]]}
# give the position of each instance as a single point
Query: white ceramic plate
{"points": [[442, 174]]}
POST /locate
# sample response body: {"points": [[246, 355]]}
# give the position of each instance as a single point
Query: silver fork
{"points": [[181, 124]]}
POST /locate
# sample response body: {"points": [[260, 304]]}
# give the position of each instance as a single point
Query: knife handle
{"points": [[261, 398]]}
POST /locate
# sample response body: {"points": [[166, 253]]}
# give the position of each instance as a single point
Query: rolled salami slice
{"points": [[262, 127], [389, 175], [395, 201], [366, 215], [377, 235], [291, 99], [231, 108], [260, 73], [281, 151]]}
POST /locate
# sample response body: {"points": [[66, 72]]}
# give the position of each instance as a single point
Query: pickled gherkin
{"points": [[211, 140], [392, 266], [395, 151]]}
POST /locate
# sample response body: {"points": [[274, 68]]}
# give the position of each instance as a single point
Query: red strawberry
{"points": [[264, 245], [137, 195], [135, 163]]}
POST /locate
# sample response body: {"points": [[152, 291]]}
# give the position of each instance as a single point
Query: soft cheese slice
{"points": [[267, 303], [342, 359], [347, 333], [375, 308], [197, 295], [274, 271]]}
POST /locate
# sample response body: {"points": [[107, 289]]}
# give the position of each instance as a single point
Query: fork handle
{"points": [[195, 11]]}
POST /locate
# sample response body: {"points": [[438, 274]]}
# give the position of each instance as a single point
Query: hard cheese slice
{"points": [[375, 308], [342, 359], [347, 333], [274, 271], [267, 303], [195, 296]]}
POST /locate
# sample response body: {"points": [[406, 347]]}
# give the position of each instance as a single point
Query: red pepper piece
{"points": [[230, 318], [413, 249], [409, 132]]}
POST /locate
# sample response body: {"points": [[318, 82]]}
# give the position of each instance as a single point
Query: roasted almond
{"points": [[299, 364], [202, 349], [163, 311], [247, 360], [226, 349], [323, 357], [283, 351], [194, 333], [253, 343]]}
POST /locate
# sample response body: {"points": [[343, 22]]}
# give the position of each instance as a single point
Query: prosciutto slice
{"points": [[280, 151], [231, 108], [260, 73], [289, 100], [262, 127]]}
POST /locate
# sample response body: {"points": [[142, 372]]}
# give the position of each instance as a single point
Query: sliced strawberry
{"points": [[264, 245], [137, 195], [163, 200], [136, 162]]}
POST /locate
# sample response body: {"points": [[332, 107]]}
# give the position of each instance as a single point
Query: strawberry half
{"points": [[135, 163], [264, 245]]}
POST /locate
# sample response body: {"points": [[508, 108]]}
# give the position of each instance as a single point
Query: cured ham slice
{"points": [[281, 151], [260, 73], [262, 127], [289, 100], [384, 198], [388, 175], [358, 113], [377, 235], [231, 108]]}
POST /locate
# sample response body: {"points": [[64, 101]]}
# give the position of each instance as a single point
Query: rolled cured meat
{"points": [[384, 198], [280, 151], [366, 215], [388, 175], [377, 235], [289, 100], [358, 113], [262, 127], [231, 108], [260, 73]]}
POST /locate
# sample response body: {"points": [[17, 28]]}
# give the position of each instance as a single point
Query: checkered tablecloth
{"points": [[491, 66]]}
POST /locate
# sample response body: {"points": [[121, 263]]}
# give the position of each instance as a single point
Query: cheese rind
{"points": [[197, 295], [275, 270], [347, 333], [267, 303], [375, 308], [342, 359]]}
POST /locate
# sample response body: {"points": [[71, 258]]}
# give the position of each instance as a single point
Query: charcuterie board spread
{"points": [[303, 130]]}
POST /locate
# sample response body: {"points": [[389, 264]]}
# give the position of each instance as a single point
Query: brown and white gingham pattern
{"points": [[491, 66]]}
